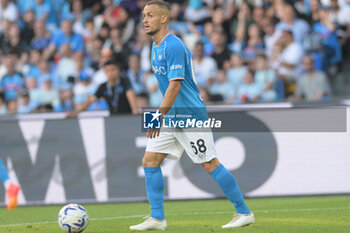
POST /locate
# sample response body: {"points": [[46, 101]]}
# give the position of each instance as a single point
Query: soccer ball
{"points": [[73, 218]]}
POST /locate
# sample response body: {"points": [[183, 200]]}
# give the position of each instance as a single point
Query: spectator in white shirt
{"points": [[8, 11], [136, 78], [204, 66], [236, 73], [221, 88], [155, 95], [289, 62], [83, 89], [143, 46], [271, 35], [265, 77], [249, 91], [66, 65], [340, 12], [299, 27], [48, 97]]}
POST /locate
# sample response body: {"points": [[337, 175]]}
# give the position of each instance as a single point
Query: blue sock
{"points": [[4, 176], [155, 191], [230, 187]]}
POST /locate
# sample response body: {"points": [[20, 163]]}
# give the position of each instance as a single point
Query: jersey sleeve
{"points": [[176, 60]]}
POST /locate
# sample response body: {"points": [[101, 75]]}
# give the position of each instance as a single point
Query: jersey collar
{"points": [[162, 40]]}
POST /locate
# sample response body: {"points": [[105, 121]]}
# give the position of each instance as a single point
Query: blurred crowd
{"points": [[52, 52]]}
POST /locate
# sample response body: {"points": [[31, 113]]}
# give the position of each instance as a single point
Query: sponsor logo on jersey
{"points": [[176, 67], [159, 70]]}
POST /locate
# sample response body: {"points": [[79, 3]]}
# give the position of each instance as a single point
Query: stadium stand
{"points": [[52, 52]]}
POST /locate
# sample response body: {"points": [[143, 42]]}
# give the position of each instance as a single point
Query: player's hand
{"points": [[152, 133]]}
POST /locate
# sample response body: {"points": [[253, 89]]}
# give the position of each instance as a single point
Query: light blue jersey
{"points": [[172, 60]]}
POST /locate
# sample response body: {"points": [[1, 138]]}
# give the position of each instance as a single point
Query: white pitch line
{"points": [[177, 214]]}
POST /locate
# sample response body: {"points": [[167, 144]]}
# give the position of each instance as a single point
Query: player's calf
{"points": [[211, 165]]}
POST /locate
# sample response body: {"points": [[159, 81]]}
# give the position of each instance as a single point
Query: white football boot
{"points": [[150, 224], [240, 220]]}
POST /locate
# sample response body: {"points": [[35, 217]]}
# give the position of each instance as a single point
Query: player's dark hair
{"points": [[160, 3], [112, 62]]}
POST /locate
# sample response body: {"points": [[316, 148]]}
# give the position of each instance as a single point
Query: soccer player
{"points": [[11, 188], [172, 66]]}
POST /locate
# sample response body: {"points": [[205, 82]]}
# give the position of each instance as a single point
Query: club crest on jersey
{"points": [[160, 57]]}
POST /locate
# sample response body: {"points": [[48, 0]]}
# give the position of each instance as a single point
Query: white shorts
{"points": [[198, 144]]}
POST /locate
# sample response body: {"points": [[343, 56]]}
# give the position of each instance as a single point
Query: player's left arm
{"points": [[170, 96], [176, 59]]}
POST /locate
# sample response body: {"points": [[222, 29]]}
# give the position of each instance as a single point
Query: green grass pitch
{"points": [[321, 214]]}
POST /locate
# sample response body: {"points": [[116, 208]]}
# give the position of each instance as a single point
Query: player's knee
{"points": [[148, 163], [211, 165], [151, 161]]}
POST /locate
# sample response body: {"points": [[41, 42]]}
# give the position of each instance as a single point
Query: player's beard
{"points": [[153, 32]]}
